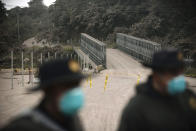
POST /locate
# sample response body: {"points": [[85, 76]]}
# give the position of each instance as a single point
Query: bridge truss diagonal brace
{"points": [[84, 57]]}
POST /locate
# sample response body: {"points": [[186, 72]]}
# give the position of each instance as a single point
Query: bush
{"points": [[190, 72]]}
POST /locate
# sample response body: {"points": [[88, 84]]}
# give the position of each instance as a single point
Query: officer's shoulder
{"points": [[188, 92], [136, 103], [139, 99], [140, 88], [134, 108], [17, 124], [21, 123]]}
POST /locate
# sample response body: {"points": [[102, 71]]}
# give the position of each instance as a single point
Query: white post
{"points": [[32, 77], [41, 58], [189, 61], [48, 55], [22, 70], [18, 25], [12, 71], [55, 55], [67, 56]]}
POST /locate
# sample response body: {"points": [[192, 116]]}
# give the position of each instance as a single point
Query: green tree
{"points": [[36, 8], [2, 12]]}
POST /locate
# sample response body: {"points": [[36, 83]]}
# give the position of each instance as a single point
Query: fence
{"points": [[25, 63], [94, 48], [140, 49]]}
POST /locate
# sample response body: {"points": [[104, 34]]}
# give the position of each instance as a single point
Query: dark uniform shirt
{"points": [[39, 119], [151, 111]]}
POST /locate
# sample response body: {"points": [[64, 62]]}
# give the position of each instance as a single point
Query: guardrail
{"points": [[139, 48], [95, 49]]}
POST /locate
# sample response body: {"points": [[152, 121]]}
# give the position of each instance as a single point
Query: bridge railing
{"points": [[140, 49], [94, 48]]}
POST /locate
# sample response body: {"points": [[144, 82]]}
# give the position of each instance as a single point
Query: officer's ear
{"points": [[48, 90], [156, 75]]}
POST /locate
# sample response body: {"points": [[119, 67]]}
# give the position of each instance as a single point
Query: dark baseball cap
{"points": [[167, 59], [58, 71]]}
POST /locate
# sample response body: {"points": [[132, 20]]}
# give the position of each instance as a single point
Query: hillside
{"points": [[164, 21]]}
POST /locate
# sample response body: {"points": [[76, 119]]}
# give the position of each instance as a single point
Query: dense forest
{"points": [[168, 22]]}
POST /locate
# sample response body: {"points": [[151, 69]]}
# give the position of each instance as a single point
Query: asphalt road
{"points": [[103, 108]]}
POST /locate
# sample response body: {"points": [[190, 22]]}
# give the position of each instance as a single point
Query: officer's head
{"points": [[168, 66], [60, 82]]}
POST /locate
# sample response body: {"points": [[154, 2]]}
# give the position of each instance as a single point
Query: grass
{"points": [[190, 72]]}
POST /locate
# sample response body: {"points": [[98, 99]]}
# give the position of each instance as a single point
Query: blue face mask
{"points": [[71, 101], [177, 85]]}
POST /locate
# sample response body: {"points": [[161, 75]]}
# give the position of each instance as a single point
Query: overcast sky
{"points": [[22, 3]]}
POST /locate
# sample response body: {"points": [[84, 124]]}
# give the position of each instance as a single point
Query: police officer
{"points": [[163, 103], [63, 97]]}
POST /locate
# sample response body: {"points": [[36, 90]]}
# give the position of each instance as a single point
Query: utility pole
{"points": [[18, 27], [12, 70], [108, 3]]}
